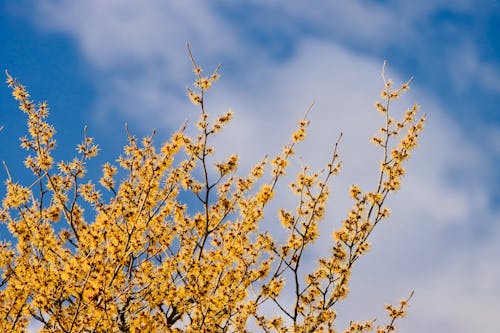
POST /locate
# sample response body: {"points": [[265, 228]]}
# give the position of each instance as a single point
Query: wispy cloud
{"points": [[471, 72], [114, 34]]}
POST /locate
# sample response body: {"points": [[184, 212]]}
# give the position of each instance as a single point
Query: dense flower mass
{"points": [[143, 258]]}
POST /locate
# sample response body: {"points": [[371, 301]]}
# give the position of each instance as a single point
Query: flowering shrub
{"points": [[148, 261]]}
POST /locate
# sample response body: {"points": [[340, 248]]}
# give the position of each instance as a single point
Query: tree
{"points": [[146, 260]]}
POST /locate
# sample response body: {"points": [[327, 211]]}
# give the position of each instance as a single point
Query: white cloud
{"points": [[471, 72], [118, 33], [412, 251], [429, 210], [371, 25], [137, 49]]}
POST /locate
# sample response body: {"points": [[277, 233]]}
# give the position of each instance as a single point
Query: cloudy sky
{"points": [[104, 63]]}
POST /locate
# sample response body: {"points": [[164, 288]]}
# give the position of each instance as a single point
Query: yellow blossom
{"points": [[165, 242]]}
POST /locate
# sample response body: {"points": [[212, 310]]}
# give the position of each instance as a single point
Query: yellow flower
{"points": [[203, 83], [194, 98], [20, 93], [176, 246], [354, 191], [265, 194]]}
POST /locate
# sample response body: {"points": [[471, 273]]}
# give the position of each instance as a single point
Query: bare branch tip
{"points": [[191, 55], [7, 170], [309, 109], [383, 70], [184, 125]]}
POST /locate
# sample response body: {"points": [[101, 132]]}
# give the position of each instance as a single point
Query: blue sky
{"points": [[106, 63]]}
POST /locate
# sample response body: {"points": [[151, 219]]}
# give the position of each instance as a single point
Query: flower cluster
{"points": [[169, 240], [394, 314]]}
